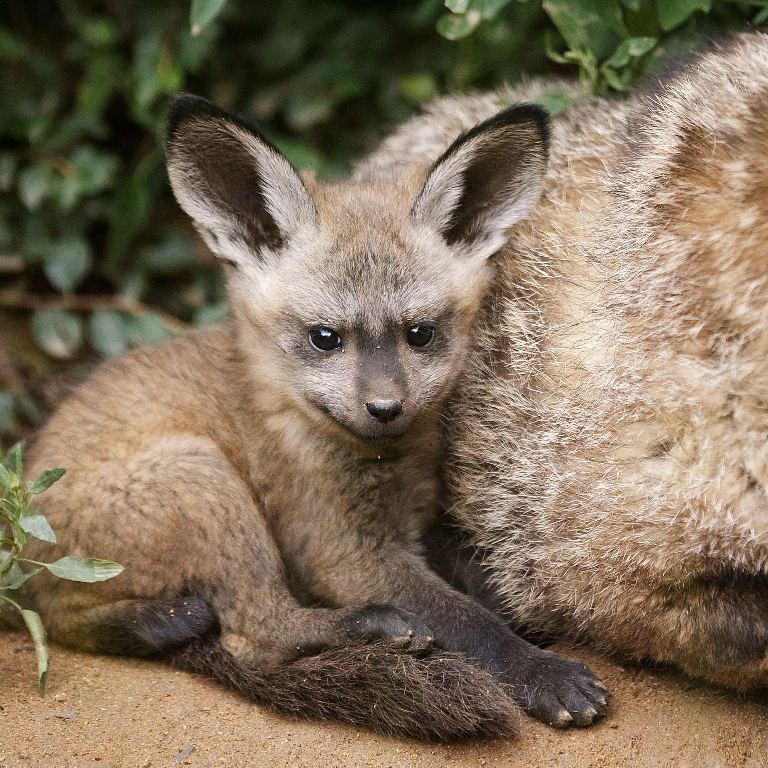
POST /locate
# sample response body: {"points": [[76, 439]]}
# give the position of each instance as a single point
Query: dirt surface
{"points": [[117, 713]]}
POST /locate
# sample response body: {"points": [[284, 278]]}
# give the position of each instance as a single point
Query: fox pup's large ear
{"points": [[486, 181], [242, 194]]}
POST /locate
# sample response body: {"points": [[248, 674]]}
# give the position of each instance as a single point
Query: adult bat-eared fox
{"points": [[609, 441]]}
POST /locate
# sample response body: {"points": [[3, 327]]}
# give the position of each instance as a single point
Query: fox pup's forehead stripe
{"points": [[366, 320]]}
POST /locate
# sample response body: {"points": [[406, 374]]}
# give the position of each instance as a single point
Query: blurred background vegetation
{"points": [[95, 256]]}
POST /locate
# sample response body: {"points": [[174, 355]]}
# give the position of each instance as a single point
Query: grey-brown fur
{"points": [[259, 508], [609, 439]]}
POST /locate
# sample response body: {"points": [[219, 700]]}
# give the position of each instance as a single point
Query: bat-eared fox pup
{"points": [[267, 483]]}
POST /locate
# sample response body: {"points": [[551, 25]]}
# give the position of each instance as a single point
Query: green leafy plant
{"points": [[19, 520], [95, 257], [612, 42]]}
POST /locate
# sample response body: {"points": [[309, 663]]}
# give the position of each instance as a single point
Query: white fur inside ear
{"points": [[286, 198], [483, 247], [507, 192], [441, 192], [201, 188], [218, 228], [519, 199]]}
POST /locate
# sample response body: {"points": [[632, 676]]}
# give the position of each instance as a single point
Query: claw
{"points": [[563, 719]]}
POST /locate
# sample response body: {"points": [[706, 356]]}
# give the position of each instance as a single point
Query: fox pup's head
{"points": [[355, 301]]}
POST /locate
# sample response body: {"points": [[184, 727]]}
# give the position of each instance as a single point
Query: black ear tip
{"points": [[185, 103], [184, 106], [527, 113], [524, 114]]}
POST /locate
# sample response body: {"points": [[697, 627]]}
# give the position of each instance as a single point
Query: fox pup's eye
{"points": [[324, 339], [421, 335]]}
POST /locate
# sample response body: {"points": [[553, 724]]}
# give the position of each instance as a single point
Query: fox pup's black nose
{"points": [[385, 410]]}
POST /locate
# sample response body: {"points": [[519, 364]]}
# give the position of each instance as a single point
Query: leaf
{"points": [[19, 536], [36, 240], [551, 42], [418, 87], [619, 81], [34, 185], [554, 103], [26, 405], [58, 331], [620, 68], [67, 262], [131, 207], [5, 557], [300, 154], [148, 328], [37, 526], [491, 8], [100, 32], [203, 12], [21, 578], [104, 73], [37, 631], [672, 13], [304, 110], [95, 169], [171, 254], [454, 27], [12, 459], [107, 332], [594, 26], [629, 49], [65, 190], [457, 6], [211, 313], [87, 569], [10, 46], [7, 478]]}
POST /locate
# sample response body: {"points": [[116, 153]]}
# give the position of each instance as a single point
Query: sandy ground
{"points": [[118, 713]]}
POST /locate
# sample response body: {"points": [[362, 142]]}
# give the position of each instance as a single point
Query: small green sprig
{"points": [[20, 519]]}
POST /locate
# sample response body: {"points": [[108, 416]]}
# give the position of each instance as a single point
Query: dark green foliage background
{"points": [[94, 254]]}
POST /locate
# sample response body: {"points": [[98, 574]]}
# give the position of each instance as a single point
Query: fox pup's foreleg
{"points": [[451, 555], [180, 518], [551, 688]]}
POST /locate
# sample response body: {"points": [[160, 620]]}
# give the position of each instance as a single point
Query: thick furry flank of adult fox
{"points": [[609, 440], [266, 483]]}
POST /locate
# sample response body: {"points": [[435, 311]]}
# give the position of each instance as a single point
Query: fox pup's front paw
{"points": [[558, 691], [385, 622]]}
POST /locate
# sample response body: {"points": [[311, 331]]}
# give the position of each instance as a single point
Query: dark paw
{"points": [[146, 628], [385, 622], [559, 692]]}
